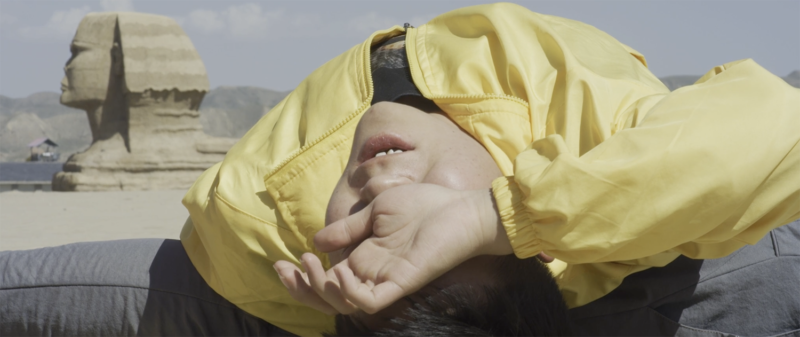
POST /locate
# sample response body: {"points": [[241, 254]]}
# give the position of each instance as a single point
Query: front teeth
{"points": [[391, 151]]}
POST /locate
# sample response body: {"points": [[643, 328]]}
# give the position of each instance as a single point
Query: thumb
{"points": [[345, 232]]}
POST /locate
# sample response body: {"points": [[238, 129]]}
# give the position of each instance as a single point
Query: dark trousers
{"points": [[149, 287], [144, 287], [753, 292]]}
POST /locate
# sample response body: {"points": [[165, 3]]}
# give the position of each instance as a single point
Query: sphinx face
{"points": [[86, 75], [87, 72]]}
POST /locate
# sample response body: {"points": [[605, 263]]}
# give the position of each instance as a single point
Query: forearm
{"points": [[709, 169], [495, 241]]}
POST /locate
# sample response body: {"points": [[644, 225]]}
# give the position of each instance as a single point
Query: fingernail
{"points": [[277, 271], [303, 263]]}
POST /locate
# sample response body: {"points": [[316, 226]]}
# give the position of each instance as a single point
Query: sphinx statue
{"points": [[141, 81]]}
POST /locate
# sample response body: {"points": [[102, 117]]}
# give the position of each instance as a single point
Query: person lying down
{"points": [[404, 140], [596, 164], [410, 142]]}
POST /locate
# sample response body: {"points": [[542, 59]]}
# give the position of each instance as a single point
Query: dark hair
{"points": [[524, 302]]}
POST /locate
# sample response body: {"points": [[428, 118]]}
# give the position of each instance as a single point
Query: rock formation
{"points": [[793, 78], [232, 111], [140, 81], [679, 81], [40, 115]]}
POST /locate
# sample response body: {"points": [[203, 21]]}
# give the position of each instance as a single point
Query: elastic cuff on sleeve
{"points": [[519, 227]]}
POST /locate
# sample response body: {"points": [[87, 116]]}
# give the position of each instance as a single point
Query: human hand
{"points": [[389, 214], [405, 238], [315, 288]]}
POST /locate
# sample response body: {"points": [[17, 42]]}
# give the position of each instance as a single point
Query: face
{"points": [[397, 144], [86, 74]]}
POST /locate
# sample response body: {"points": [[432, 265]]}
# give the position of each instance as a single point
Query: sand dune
{"points": [[42, 219]]}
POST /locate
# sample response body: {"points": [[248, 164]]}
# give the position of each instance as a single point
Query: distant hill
{"points": [[224, 112], [40, 115], [231, 111], [677, 81], [793, 79], [42, 104]]}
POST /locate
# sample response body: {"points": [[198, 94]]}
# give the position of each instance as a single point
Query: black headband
{"points": [[391, 76]]}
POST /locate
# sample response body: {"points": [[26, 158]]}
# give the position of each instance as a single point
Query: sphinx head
{"points": [[95, 51], [114, 54]]}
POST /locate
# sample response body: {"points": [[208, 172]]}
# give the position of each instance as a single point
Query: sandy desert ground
{"points": [[41, 219]]}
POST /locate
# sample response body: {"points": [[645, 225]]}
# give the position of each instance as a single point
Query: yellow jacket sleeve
{"points": [[710, 168]]}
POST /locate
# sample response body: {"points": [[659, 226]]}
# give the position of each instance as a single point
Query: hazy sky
{"points": [[275, 44]]}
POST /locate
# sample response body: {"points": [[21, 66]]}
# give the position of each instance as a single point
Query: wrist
{"points": [[494, 238]]}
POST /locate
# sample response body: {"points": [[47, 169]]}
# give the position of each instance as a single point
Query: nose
{"points": [[377, 185]]}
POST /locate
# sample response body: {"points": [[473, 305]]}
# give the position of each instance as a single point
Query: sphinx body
{"points": [[141, 81]]}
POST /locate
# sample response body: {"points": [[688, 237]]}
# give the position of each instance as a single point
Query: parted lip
{"points": [[382, 142]]}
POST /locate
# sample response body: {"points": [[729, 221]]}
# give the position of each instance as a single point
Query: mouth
{"points": [[383, 144]]}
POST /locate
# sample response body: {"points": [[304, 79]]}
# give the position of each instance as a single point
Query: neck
{"points": [[107, 117]]}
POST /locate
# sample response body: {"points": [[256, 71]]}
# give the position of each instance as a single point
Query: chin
{"points": [[69, 100], [65, 98]]}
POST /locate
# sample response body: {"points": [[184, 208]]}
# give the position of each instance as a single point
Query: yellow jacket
{"points": [[700, 171]]}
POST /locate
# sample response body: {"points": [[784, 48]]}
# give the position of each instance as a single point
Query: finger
{"points": [[345, 232], [368, 298], [325, 287], [374, 187], [298, 288]]}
